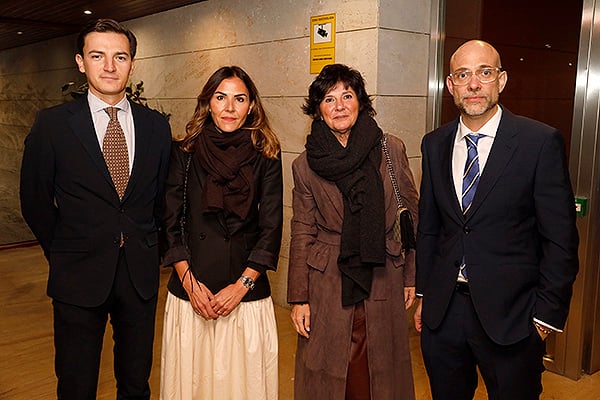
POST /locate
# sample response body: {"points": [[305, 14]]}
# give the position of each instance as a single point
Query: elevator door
{"points": [[582, 342]]}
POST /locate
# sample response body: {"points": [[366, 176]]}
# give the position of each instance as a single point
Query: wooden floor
{"points": [[26, 350]]}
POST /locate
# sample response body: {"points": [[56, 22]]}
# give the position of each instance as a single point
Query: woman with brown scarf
{"points": [[223, 221], [350, 281]]}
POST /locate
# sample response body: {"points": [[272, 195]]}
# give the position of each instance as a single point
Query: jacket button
{"points": [[202, 236], [466, 229]]}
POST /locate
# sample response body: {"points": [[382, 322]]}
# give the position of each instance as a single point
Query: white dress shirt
{"points": [[484, 145]]}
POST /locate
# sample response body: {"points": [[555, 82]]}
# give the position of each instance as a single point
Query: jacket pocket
{"points": [[318, 256]]}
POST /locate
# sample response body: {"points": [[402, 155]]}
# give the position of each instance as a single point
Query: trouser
{"points": [[78, 338], [358, 381], [453, 352]]}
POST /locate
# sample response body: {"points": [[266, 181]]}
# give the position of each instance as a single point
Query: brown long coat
{"points": [[314, 277]]}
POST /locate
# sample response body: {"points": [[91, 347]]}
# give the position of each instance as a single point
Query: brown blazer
{"points": [[314, 277]]}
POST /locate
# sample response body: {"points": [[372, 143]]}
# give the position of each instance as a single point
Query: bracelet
{"points": [[543, 329], [188, 271], [247, 282]]}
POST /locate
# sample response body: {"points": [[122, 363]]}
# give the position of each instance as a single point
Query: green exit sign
{"points": [[581, 206]]}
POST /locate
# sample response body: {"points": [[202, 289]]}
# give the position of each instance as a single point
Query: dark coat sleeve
{"points": [[304, 232], [555, 213], [37, 182], [429, 222], [175, 248], [265, 253]]}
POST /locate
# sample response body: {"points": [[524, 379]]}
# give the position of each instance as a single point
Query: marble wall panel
{"points": [[234, 23], [12, 227], [277, 68], [174, 76], [360, 50], [181, 111], [288, 180], [288, 121], [404, 117], [406, 15], [403, 62], [49, 55], [415, 167], [11, 138], [279, 279], [20, 112], [44, 85]]}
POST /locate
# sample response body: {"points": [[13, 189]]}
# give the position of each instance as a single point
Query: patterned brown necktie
{"points": [[115, 152]]}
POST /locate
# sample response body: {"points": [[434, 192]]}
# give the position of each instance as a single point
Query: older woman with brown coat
{"points": [[350, 281]]}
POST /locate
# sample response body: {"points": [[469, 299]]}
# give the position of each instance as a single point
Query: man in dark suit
{"points": [[91, 192], [497, 240]]}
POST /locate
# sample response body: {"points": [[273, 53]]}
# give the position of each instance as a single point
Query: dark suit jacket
{"points": [[519, 238], [71, 205], [222, 246]]}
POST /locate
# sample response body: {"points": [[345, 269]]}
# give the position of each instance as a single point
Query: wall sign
{"points": [[322, 42]]}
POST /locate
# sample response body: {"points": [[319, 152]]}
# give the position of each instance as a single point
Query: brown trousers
{"points": [[358, 382]]}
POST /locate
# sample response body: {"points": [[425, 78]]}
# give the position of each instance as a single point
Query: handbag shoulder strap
{"points": [[185, 185], [390, 169]]}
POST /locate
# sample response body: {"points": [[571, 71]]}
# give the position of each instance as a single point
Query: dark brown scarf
{"points": [[227, 158], [355, 171]]}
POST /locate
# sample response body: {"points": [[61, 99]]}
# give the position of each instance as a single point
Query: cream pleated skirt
{"points": [[231, 358]]}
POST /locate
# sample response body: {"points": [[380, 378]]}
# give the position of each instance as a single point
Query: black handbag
{"points": [[403, 225]]}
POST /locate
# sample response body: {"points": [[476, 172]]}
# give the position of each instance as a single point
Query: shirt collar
{"points": [[97, 105], [489, 129]]}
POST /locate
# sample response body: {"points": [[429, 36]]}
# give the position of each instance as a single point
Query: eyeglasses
{"points": [[484, 75]]}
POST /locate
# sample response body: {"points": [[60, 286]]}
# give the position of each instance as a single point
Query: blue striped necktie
{"points": [[471, 174], [470, 181]]}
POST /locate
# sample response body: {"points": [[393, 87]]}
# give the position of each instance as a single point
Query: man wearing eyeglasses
{"points": [[497, 240]]}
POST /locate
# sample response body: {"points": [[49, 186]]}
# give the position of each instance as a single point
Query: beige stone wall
{"points": [[387, 40], [30, 79]]}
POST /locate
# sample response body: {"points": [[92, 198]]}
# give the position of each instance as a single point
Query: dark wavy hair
{"points": [[264, 139], [329, 77], [106, 25]]}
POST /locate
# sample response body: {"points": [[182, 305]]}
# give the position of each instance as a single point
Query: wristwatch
{"points": [[247, 282]]}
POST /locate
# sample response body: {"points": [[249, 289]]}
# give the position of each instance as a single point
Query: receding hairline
{"points": [[479, 43]]}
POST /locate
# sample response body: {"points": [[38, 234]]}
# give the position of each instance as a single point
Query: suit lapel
{"points": [[142, 146], [501, 153], [445, 155], [83, 128]]}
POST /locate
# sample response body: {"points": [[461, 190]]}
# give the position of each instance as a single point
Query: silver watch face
{"points": [[247, 282]]}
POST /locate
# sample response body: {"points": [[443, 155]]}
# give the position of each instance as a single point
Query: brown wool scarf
{"points": [[227, 158]]}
